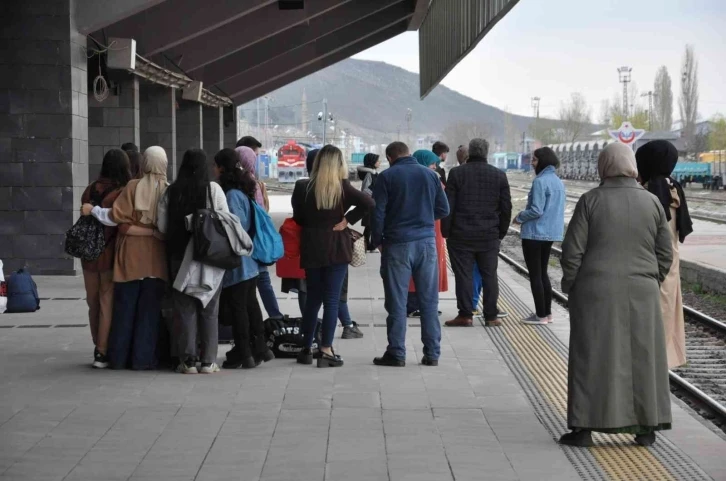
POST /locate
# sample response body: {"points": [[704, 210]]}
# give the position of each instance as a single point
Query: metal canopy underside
{"points": [[243, 49]]}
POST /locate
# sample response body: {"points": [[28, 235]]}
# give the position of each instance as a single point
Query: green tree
{"points": [[662, 101], [688, 103], [717, 137]]}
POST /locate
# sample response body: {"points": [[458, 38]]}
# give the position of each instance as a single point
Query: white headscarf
{"points": [[152, 185], [617, 160]]}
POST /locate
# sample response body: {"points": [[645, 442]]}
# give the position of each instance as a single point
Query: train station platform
{"points": [[492, 409]]}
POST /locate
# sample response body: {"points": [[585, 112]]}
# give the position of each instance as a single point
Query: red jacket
{"points": [[288, 267]]}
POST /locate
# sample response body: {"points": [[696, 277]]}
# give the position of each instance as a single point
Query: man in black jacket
{"points": [[442, 151], [481, 210]]}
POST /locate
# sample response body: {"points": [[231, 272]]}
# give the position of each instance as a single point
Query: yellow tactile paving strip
{"points": [[616, 454]]}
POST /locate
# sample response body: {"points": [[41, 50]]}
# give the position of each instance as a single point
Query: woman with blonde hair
{"points": [[319, 206], [616, 252], [140, 267]]}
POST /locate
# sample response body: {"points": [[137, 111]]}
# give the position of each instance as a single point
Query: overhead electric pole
{"points": [[625, 78], [650, 96]]}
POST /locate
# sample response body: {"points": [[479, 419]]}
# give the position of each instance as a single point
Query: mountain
{"points": [[370, 100]]}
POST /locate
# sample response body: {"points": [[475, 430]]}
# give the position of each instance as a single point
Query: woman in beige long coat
{"points": [[616, 253], [656, 160]]}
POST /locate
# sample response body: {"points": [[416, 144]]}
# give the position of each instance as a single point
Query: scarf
{"points": [[152, 185], [656, 161], [248, 162], [426, 158], [617, 160]]}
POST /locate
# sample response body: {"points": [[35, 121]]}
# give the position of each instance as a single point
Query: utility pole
{"points": [[258, 116], [650, 96], [409, 116], [267, 121], [324, 117], [535, 111], [625, 78]]}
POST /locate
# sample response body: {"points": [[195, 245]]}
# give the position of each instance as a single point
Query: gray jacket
{"points": [[199, 280]]}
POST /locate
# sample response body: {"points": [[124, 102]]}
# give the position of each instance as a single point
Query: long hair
{"points": [[115, 167], [232, 176], [186, 194], [325, 180], [135, 161]]}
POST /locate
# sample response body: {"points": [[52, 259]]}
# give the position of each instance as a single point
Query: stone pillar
{"points": [[43, 133], [213, 130], [188, 127], [230, 127], [113, 122], [158, 121]]}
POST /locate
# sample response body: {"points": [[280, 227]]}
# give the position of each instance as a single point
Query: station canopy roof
{"points": [[244, 49]]}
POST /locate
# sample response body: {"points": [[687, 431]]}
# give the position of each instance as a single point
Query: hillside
{"points": [[371, 99]]}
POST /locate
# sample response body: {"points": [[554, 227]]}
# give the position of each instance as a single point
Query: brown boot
{"points": [[460, 321], [493, 323]]}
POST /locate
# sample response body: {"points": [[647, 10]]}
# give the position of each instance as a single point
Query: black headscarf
{"points": [[369, 160], [310, 161], [656, 161]]}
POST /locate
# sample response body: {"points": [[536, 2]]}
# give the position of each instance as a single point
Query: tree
{"points": [[688, 103], [461, 133], [717, 138], [612, 111], [662, 101], [575, 117]]}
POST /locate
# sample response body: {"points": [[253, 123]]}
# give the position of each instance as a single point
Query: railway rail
{"points": [[702, 381]]}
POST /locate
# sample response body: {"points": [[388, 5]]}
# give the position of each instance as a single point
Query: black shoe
{"points": [[266, 356], [352, 332], [99, 360], [305, 356], [581, 438], [427, 361], [327, 360], [244, 363], [645, 439], [417, 313], [388, 360]]}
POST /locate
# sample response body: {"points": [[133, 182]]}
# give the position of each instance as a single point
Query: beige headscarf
{"points": [[152, 185], [617, 160]]}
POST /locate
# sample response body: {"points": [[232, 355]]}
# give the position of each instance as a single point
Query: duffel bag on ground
{"points": [[284, 336]]}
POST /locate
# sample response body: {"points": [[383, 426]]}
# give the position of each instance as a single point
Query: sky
{"points": [[552, 48]]}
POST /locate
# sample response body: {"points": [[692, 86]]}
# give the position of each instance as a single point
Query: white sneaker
{"points": [[209, 368], [551, 318], [534, 320], [183, 368]]}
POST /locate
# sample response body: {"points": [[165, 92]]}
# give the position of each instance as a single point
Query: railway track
{"points": [[701, 383], [574, 198]]}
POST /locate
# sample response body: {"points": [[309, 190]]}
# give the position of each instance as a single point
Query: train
{"points": [[291, 162]]}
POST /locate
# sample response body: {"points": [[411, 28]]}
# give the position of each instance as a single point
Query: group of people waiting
{"points": [[619, 261]]}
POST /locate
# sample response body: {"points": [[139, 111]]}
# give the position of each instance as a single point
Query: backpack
{"points": [[284, 336], [22, 293], [86, 239], [267, 242]]}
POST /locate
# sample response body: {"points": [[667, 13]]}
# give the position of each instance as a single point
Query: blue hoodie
{"points": [[409, 199]]}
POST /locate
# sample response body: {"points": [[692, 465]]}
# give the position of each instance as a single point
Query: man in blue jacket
{"points": [[409, 199]]}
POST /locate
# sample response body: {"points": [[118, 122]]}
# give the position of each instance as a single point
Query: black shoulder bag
{"points": [[211, 244]]}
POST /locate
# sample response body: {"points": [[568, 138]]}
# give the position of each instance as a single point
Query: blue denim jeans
{"points": [[477, 287], [135, 325], [343, 312], [267, 294], [399, 263], [323, 289]]}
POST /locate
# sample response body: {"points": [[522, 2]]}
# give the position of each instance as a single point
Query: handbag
{"points": [[358, 242], [211, 244], [86, 239]]}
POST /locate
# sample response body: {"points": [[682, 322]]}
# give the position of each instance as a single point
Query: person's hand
{"points": [[515, 221], [86, 209], [342, 225]]}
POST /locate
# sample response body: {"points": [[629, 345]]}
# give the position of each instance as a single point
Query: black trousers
{"points": [[486, 258], [238, 307], [537, 257]]}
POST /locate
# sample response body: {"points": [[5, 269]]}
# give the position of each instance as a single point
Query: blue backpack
{"points": [[22, 293], [266, 241]]}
